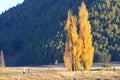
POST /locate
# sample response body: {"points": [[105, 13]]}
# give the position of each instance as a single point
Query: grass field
{"points": [[37, 73]]}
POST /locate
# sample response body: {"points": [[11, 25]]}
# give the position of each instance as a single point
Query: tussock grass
{"points": [[56, 74]]}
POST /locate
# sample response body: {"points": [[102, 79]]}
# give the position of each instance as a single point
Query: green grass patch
{"points": [[8, 73]]}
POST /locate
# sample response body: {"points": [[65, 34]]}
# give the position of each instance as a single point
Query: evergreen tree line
{"points": [[33, 33]]}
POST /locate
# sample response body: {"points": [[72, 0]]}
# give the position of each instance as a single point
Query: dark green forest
{"points": [[32, 33]]}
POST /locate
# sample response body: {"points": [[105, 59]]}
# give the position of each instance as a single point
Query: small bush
{"points": [[56, 62], [107, 66]]}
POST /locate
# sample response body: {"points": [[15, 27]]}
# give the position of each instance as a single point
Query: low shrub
{"points": [[107, 66]]}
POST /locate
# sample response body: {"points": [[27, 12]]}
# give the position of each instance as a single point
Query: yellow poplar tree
{"points": [[72, 53], [85, 35], [68, 58], [76, 45]]}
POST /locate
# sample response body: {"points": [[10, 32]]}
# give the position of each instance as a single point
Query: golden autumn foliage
{"points": [[85, 34], [70, 50], [79, 47]]}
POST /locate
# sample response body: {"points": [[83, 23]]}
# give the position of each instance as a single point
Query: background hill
{"points": [[33, 33]]}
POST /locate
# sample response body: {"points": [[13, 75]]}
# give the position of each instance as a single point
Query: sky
{"points": [[6, 4]]}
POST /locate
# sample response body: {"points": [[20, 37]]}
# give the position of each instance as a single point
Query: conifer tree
{"points": [[2, 62], [85, 35]]}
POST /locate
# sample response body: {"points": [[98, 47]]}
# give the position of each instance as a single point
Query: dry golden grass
{"points": [[56, 74]]}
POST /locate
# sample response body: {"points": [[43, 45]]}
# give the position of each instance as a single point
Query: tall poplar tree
{"points": [[85, 35], [68, 58]]}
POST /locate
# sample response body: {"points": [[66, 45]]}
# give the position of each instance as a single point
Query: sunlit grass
{"points": [[55, 74], [8, 73]]}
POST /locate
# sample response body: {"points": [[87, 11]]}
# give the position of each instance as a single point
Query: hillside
{"points": [[32, 33]]}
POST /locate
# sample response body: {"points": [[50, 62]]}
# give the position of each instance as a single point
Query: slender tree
{"points": [[2, 62], [85, 35], [71, 42], [76, 45], [68, 46]]}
